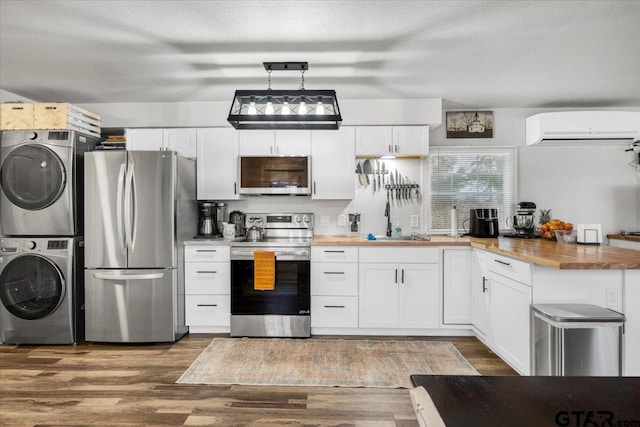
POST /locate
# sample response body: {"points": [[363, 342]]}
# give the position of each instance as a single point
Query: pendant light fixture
{"points": [[285, 109]]}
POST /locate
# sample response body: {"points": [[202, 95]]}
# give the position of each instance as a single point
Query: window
{"points": [[472, 177]]}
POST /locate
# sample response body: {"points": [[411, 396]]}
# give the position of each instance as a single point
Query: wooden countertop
{"points": [[561, 256], [624, 237], [537, 251], [361, 241]]}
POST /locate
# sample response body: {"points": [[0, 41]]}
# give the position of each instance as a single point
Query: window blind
{"points": [[470, 178]]}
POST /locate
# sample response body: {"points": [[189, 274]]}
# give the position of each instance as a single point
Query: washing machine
{"points": [[41, 182], [42, 290]]}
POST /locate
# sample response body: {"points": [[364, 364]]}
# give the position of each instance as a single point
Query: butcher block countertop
{"points": [[537, 251], [561, 256], [628, 237]]}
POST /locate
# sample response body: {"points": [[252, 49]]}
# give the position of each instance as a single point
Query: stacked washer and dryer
{"points": [[42, 245]]}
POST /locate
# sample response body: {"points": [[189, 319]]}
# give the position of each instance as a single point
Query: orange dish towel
{"points": [[264, 270]]}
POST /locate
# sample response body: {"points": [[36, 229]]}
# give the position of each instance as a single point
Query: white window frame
{"points": [[505, 210]]}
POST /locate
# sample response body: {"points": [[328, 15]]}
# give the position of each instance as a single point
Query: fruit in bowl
{"points": [[548, 229]]}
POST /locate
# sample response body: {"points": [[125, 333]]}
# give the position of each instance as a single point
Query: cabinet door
{"points": [[257, 142], [509, 317], [333, 155], [480, 297], [217, 164], [378, 295], [418, 297], [144, 139], [457, 287], [411, 140], [374, 140], [182, 140], [293, 142]]}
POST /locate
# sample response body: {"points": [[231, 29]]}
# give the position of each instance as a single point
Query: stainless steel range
{"points": [[285, 310]]}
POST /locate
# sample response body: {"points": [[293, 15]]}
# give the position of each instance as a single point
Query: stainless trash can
{"points": [[576, 340]]}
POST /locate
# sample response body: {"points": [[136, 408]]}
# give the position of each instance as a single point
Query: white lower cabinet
{"points": [[400, 294], [334, 287], [479, 294], [207, 288], [456, 289]]}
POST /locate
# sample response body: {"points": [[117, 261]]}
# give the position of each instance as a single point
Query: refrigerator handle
{"points": [[127, 205], [118, 276], [134, 224], [119, 200]]}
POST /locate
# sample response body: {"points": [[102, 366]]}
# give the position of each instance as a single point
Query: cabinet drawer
{"points": [[207, 278], [511, 268], [207, 310], [334, 254], [207, 253], [334, 278], [334, 312], [400, 254]]}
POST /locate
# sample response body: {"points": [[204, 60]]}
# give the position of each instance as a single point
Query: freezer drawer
{"points": [[576, 340], [131, 305]]}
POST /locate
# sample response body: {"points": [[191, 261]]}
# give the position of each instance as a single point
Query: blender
{"points": [[354, 224]]}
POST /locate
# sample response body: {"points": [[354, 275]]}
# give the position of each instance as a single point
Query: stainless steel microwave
{"points": [[288, 175]]}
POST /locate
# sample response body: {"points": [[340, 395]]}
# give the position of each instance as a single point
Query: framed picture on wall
{"points": [[469, 124]]}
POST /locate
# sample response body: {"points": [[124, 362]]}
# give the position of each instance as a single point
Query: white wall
{"points": [[6, 96], [585, 183]]}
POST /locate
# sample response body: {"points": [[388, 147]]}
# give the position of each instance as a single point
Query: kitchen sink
{"points": [[386, 238]]}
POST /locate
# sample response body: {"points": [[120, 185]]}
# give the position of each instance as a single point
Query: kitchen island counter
{"points": [[561, 256]]}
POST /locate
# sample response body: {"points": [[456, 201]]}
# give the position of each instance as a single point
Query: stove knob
{"points": [[31, 244], [298, 218], [306, 219], [32, 135]]}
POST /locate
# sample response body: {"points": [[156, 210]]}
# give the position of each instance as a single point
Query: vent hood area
{"points": [[583, 126]]}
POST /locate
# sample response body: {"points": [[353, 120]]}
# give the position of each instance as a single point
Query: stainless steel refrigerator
{"points": [[139, 208]]}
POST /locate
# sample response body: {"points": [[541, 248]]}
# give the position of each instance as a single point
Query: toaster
{"points": [[589, 234]]}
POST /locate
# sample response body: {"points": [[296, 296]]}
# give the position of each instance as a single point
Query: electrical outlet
{"points": [[415, 221], [325, 220], [342, 220], [613, 300]]}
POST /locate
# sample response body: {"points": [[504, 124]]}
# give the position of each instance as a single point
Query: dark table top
{"points": [[533, 401]]}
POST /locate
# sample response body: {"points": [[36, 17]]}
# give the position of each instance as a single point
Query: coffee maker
{"points": [[208, 222], [483, 223], [354, 224]]}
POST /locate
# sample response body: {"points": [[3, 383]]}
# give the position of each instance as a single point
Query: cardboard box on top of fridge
{"points": [[52, 115]]}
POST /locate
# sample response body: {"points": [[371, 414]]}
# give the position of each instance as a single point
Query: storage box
{"points": [[16, 116], [65, 116]]}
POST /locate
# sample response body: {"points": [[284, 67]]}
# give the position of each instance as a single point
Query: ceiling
{"points": [[469, 53]]}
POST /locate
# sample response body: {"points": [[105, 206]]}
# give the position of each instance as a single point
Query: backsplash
{"points": [[369, 204]]}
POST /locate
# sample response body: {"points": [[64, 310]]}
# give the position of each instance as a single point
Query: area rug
{"points": [[323, 362]]}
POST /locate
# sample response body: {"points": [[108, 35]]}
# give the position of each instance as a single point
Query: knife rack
{"points": [[400, 186]]}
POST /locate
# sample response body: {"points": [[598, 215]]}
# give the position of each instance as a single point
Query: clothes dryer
{"points": [[41, 181], [41, 290]]}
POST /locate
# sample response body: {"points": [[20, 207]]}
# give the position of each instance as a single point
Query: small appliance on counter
{"points": [[483, 223], [238, 218], [211, 215], [589, 234], [523, 222], [354, 225]]}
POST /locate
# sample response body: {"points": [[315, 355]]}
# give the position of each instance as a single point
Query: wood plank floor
{"points": [[109, 384]]}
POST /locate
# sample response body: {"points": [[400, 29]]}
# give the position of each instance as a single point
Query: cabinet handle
{"points": [[206, 250], [402, 280], [396, 276], [502, 262], [314, 187], [390, 149], [235, 187], [334, 306], [484, 284], [207, 305], [334, 272], [277, 150], [271, 150], [333, 252], [206, 272], [397, 149]]}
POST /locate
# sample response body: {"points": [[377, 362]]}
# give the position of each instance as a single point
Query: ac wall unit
{"points": [[583, 126]]}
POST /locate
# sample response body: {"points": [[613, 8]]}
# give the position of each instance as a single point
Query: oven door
{"points": [[291, 295]]}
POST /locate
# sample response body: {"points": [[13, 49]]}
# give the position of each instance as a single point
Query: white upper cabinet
{"points": [[182, 140], [392, 141], [217, 164], [332, 164], [274, 142]]}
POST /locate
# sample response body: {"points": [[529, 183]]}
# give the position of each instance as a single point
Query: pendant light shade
{"points": [[285, 109]]}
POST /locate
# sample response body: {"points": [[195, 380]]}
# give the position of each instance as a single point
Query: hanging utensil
{"points": [[418, 195], [390, 189], [378, 170], [360, 173], [366, 167]]}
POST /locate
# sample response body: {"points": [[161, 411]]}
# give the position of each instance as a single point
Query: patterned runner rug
{"points": [[323, 362]]}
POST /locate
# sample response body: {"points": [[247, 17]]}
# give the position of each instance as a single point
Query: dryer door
{"points": [[31, 287], [32, 177]]}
